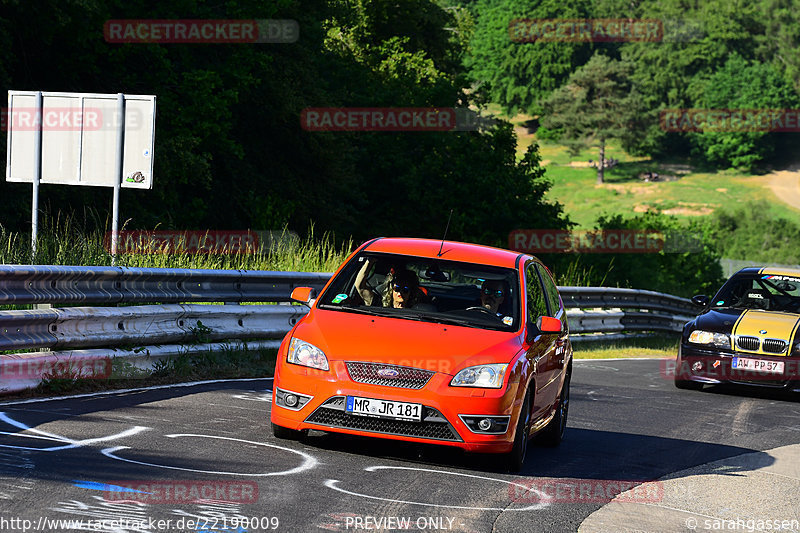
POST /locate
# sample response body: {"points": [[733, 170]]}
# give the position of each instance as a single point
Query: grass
{"points": [[687, 196], [656, 346], [686, 193], [64, 241]]}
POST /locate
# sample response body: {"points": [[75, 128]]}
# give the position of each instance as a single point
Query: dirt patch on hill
{"points": [[786, 186], [683, 208], [630, 189]]}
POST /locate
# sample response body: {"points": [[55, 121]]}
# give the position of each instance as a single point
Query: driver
{"points": [[493, 294]]}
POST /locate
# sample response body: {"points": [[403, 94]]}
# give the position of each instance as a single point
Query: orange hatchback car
{"points": [[433, 342]]}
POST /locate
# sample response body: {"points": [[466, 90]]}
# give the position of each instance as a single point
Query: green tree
{"points": [[741, 84], [597, 103], [780, 38], [518, 74], [230, 149], [699, 37]]}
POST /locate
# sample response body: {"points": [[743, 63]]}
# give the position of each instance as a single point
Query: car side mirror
{"points": [[304, 295], [701, 300], [543, 324], [548, 324]]}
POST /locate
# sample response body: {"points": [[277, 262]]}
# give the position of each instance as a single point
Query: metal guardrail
{"points": [[86, 327], [170, 324], [613, 310], [31, 284]]}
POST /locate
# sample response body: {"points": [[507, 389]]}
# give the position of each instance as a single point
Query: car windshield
{"points": [[760, 291], [430, 290]]}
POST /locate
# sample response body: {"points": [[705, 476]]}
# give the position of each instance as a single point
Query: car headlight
{"points": [[699, 336], [486, 376], [306, 354]]}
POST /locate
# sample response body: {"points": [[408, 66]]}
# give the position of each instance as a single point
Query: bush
{"points": [[687, 265]]}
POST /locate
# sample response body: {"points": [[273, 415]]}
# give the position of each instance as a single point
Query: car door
{"points": [[541, 351], [556, 310]]}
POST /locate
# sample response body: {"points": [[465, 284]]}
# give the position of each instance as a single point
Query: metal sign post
{"points": [[118, 176], [37, 174]]}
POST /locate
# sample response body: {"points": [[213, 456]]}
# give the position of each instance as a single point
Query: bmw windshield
{"points": [[760, 291]]}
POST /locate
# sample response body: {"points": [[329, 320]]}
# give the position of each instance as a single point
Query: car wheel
{"points": [[553, 433], [283, 433], [516, 457], [688, 385]]}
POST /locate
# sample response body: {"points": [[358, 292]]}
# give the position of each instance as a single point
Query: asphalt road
{"points": [[67, 459]]}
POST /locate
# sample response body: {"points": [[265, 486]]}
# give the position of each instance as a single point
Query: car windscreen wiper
{"points": [[444, 319], [354, 309]]}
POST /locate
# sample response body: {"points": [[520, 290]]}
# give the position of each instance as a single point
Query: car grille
{"points": [[405, 378], [774, 345], [433, 426], [748, 343]]}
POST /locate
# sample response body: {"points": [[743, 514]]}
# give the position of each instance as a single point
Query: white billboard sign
{"points": [[79, 136]]}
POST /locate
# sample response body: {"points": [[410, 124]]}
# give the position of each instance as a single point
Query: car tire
{"points": [[553, 433], [516, 457], [688, 385], [283, 433]]}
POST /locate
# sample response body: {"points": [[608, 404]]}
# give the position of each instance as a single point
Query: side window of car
{"points": [[536, 298], [551, 292]]}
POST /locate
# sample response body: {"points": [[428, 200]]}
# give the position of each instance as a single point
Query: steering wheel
{"points": [[482, 309]]}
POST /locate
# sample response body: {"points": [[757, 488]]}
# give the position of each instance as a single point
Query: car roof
{"points": [[770, 271], [450, 250]]}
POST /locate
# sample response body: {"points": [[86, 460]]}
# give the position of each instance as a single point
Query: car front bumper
{"points": [[713, 366], [322, 398]]}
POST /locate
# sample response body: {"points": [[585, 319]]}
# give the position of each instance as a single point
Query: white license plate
{"points": [[758, 365], [384, 408]]}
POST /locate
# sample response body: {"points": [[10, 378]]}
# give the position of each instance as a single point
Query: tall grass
{"points": [[573, 273], [63, 240]]}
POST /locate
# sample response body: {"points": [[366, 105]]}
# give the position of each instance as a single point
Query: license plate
{"points": [[384, 408], [758, 365]]}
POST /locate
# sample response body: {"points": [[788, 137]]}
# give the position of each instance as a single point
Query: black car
{"points": [[746, 333]]}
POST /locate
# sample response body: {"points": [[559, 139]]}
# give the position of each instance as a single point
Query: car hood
{"points": [[444, 348], [777, 325]]}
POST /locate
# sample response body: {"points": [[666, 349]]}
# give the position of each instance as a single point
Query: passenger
{"points": [[493, 294], [401, 290], [404, 291]]}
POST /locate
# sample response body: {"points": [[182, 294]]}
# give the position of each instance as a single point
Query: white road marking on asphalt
{"points": [[70, 443], [331, 484], [309, 461], [256, 396]]}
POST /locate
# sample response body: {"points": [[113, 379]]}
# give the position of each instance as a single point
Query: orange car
{"points": [[430, 341]]}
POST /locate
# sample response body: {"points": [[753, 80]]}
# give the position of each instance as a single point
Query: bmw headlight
{"points": [[699, 336], [485, 376], [306, 354]]}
